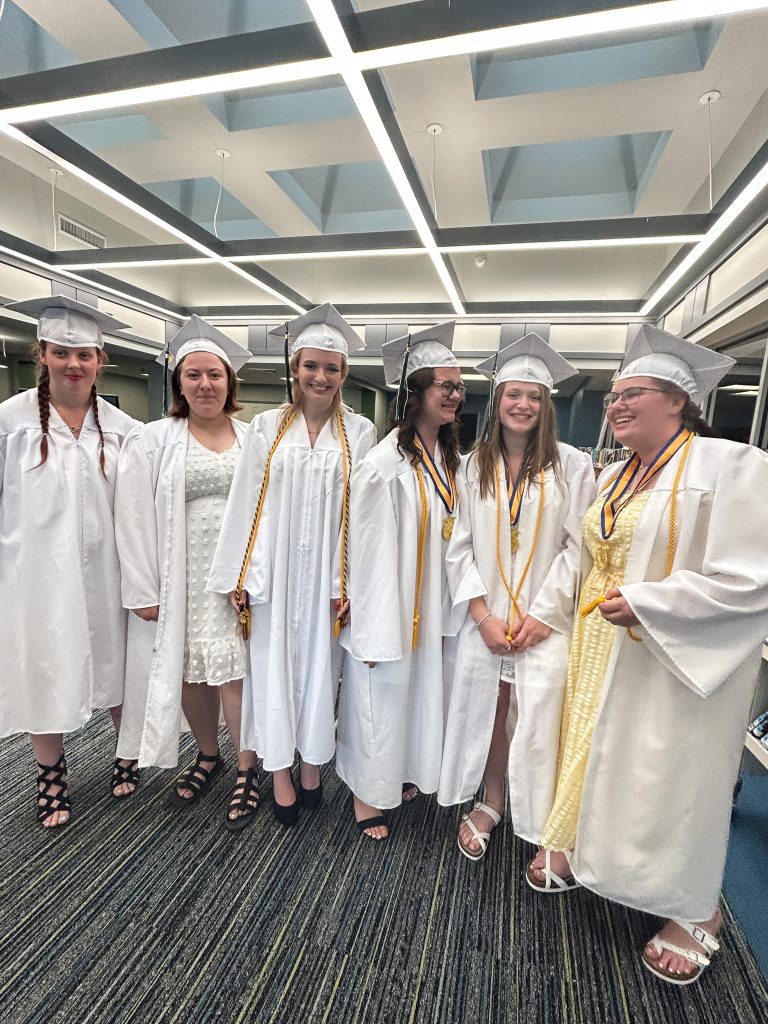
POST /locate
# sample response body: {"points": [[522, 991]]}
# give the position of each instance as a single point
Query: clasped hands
{"points": [[528, 633]]}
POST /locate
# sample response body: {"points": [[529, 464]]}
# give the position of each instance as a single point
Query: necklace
{"points": [[74, 427]]}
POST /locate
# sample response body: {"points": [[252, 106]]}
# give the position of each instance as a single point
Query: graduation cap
{"points": [[429, 347], [322, 327], [656, 353], [197, 335], [68, 322], [530, 360]]}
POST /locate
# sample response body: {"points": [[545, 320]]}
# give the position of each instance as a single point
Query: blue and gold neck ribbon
{"points": [[628, 481], [445, 486], [515, 496]]}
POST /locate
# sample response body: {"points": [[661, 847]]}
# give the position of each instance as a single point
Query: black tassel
{"points": [[288, 387], [402, 390], [488, 422]]}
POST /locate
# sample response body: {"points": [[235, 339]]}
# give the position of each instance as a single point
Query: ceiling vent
{"points": [[87, 236]]}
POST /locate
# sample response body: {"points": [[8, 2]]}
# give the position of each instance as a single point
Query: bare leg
{"points": [[200, 704], [310, 775], [231, 704], [283, 788], [493, 777], [125, 788], [48, 748]]}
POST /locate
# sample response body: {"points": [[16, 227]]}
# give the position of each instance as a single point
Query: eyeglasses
{"points": [[448, 387], [629, 397]]}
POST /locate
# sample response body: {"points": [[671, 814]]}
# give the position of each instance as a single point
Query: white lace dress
{"points": [[214, 652]]}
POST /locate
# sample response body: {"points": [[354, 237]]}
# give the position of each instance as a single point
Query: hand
{"points": [[615, 609], [238, 600], [494, 633], [340, 611], [371, 664], [148, 614], [529, 633]]}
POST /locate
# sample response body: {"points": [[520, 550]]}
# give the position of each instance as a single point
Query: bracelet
{"points": [[479, 624]]}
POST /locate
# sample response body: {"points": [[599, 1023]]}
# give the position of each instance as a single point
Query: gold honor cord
{"points": [[671, 543], [346, 460], [419, 557], [446, 489], [513, 596]]}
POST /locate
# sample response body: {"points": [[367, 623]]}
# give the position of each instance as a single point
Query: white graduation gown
{"points": [[150, 525], [656, 803], [62, 627], [548, 594], [390, 728], [290, 693]]}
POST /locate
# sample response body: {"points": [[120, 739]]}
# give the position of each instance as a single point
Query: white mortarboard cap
{"points": [[430, 347], [322, 327], [656, 353], [197, 335], [531, 360], [68, 322]]}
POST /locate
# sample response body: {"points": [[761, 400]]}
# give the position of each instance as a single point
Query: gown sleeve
{"points": [[461, 569], [136, 525], [553, 604], [238, 517], [703, 625], [374, 632]]}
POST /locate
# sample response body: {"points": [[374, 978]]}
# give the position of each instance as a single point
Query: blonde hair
{"points": [[295, 405]]}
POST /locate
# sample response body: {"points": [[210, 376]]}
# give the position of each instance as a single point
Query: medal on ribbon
{"points": [[515, 499], [445, 486]]}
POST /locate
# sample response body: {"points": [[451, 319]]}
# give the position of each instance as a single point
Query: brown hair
{"points": [[295, 405], [540, 451], [44, 402], [180, 407], [690, 414], [447, 435]]}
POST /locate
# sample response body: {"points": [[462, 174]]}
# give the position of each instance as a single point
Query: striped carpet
{"points": [[137, 914]]}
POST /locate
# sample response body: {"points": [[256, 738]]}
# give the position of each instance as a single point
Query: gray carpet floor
{"points": [[134, 913]]}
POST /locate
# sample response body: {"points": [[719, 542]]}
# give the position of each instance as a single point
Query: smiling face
{"points": [[204, 383], [519, 408], [649, 419], [439, 408], [72, 372], [319, 374]]}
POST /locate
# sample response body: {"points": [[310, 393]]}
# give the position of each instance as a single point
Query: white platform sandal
{"points": [[552, 883], [481, 837], [701, 960]]}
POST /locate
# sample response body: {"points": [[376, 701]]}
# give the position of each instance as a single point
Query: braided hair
{"points": [[44, 405]]}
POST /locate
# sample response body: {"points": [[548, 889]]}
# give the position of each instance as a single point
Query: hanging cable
{"points": [[706, 100], [223, 155], [56, 173]]}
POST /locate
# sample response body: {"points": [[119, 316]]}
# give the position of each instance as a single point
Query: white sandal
{"points": [[552, 881], [481, 837], [701, 960]]}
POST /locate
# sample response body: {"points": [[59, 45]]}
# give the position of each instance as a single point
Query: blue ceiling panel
{"points": [[117, 130], [666, 52], [26, 48], [191, 22], [342, 198], [196, 198], [581, 179], [273, 107]]}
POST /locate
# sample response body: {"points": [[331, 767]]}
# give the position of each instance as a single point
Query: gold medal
{"points": [[514, 538], [448, 527]]}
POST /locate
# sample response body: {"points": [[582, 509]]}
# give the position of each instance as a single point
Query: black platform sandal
{"points": [[48, 803], [245, 799], [197, 779], [123, 774]]}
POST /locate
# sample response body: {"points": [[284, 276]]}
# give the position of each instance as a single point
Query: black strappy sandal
{"points": [[48, 803], [124, 774], [245, 799], [196, 778]]}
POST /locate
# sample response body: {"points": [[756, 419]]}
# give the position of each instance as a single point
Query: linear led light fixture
{"points": [[552, 30], [232, 81], [581, 243], [77, 172], [749, 193], [327, 21], [360, 319], [60, 272]]}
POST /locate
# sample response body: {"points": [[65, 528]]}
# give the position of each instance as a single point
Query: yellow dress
{"points": [[591, 644]]}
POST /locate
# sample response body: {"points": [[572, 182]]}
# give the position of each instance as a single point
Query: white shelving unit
{"points": [[754, 746]]}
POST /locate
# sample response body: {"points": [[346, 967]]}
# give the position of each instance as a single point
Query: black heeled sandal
{"points": [[48, 803], [197, 779], [245, 799], [124, 774]]}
